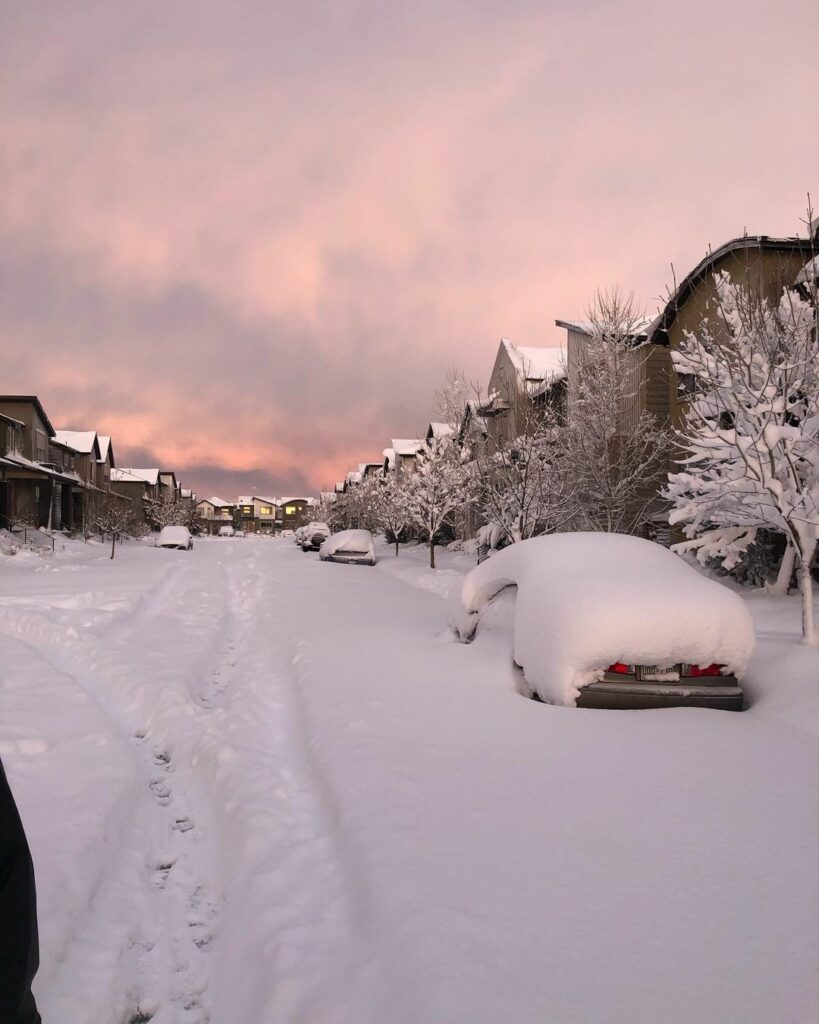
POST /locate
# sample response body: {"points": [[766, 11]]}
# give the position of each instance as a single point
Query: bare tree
{"points": [[115, 515], [517, 485], [613, 457]]}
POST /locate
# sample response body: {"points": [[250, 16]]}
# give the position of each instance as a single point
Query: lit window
{"points": [[290, 510]]}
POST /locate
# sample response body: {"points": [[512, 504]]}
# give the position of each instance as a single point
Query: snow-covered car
{"points": [[349, 546], [175, 537], [227, 531], [298, 535], [287, 533], [315, 534], [609, 621]]}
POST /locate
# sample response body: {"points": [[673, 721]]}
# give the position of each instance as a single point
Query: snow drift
{"points": [[586, 600]]}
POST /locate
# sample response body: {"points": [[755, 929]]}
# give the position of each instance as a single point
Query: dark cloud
{"points": [[249, 241]]}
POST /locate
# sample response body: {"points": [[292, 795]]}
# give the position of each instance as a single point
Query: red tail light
{"points": [[621, 669], [693, 671]]}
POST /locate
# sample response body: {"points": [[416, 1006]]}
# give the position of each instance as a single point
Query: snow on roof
{"points": [[81, 441], [216, 502], [353, 477], [126, 476], [439, 430], [309, 501], [584, 326], [104, 443], [537, 363], [150, 476], [389, 456], [407, 446]]}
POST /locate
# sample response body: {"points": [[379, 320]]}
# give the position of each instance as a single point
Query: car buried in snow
{"points": [[352, 546], [315, 534], [298, 535], [178, 537], [227, 531], [610, 621]]}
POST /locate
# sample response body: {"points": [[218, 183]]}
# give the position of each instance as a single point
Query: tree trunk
{"points": [[432, 554], [806, 586], [113, 542], [783, 577], [396, 547]]}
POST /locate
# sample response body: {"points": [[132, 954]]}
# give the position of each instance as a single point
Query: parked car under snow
{"points": [[608, 621], [315, 534], [349, 546], [175, 537]]}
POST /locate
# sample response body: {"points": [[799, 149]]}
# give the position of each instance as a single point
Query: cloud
{"points": [[256, 237]]}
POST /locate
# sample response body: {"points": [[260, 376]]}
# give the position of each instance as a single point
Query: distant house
{"points": [[371, 469], [86, 446], [401, 455], [105, 463], [214, 513], [535, 376], [295, 512], [141, 486], [258, 514]]}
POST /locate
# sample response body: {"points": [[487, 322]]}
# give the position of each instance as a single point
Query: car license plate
{"points": [[660, 673]]}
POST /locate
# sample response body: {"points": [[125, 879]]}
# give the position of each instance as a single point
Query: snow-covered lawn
{"points": [[259, 787]]}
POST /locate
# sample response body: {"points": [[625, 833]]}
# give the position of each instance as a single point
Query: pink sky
{"points": [[247, 239]]}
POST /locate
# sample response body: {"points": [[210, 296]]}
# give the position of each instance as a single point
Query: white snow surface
{"points": [[587, 600], [244, 808]]}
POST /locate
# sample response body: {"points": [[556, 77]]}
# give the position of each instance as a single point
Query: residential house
{"points": [[258, 514], [105, 463], [85, 445], [400, 457], [294, 512], [141, 486], [36, 477], [215, 513], [522, 374]]}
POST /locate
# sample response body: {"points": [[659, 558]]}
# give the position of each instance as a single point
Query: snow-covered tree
{"points": [[440, 485], [611, 460], [389, 503], [751, 435]]}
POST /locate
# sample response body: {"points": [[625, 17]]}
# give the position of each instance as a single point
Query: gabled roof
{"points": [[126, 476], [82, 441], [284, 501], [35, 401], [106, 448], [216, 502], [658, 331], [536, 364], [439, 430], [407, 446], [150, 476]]}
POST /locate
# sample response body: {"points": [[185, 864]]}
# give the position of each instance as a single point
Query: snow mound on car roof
{"points": [[351, 542], [587, 600]]}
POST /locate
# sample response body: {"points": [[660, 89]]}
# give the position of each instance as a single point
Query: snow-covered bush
{"points": [[751, 434]]}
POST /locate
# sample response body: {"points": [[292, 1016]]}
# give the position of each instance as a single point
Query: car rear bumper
{"points": [[634, 694], [357, 559]]}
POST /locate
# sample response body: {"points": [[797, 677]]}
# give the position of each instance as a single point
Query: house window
{"points": [[290, 510], [40, 446], [14, 438], [266, 510]]}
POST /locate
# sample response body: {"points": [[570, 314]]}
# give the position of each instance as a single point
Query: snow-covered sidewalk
{"points": [[263, 788]]}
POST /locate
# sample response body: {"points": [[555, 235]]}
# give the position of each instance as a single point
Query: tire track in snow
{"points": [[291, 944]]}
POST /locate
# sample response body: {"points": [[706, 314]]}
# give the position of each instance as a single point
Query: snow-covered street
{"points": [[259, 787]]}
